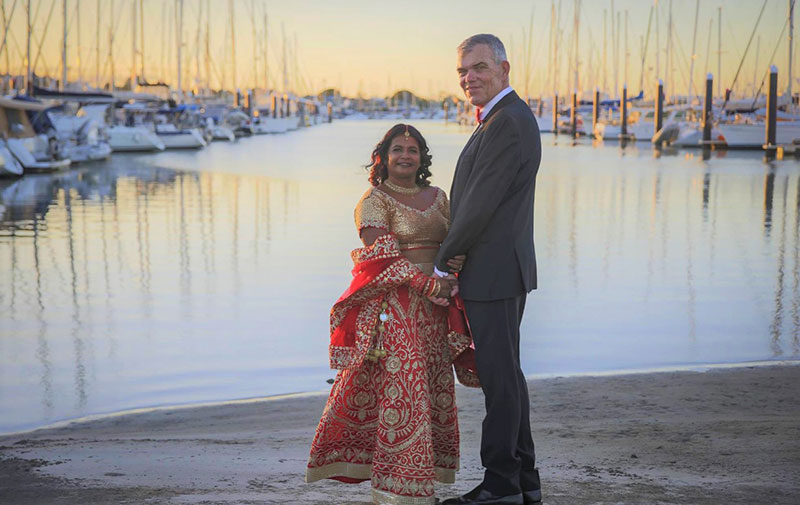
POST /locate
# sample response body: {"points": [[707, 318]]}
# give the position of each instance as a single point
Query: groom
{"points": [[491, 208]]}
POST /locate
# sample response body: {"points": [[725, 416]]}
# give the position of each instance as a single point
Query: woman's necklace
{"points": [[400, 189]]}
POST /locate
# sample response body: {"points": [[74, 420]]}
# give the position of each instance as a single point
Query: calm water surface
{"points": [[208, 275]]}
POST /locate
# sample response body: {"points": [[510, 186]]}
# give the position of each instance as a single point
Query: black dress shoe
{"points": [[480, 496], [532, 497]]}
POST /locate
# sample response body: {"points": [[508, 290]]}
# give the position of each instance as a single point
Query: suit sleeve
{"points": [[495, 168]]}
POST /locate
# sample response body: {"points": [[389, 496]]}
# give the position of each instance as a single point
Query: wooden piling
{"points": [[274, 106], [659, 119], [624, 108], [330, 112], [573, 119], [707, 109], [595, 109], [555, 114], [772, 109]]}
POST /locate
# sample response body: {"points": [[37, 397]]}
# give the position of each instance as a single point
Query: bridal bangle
{"points": [[435, 288]]}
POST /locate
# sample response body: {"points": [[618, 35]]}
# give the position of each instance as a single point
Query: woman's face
{"points": [[404, 157]]}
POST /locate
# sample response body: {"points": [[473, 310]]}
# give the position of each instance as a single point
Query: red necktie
{"points": [[478, 119]]}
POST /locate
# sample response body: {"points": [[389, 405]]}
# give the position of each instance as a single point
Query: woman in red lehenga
{"points": [[395, 338]]}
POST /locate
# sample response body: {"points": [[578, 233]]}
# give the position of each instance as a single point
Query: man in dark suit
{"points": [[491, 210]]}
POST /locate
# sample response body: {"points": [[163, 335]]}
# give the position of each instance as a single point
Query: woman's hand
{"points": [[448, 287], [456, 263]]}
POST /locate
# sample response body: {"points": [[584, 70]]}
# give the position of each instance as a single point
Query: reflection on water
{"points": [[184, 277]]}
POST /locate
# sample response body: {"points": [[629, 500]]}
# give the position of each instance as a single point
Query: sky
{"points": [[375, 48]]}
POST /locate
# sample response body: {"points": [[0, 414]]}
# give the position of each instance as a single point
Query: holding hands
{"points": [[448, 285]]}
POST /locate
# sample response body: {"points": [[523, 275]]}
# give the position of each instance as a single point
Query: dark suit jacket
{"points": [[491, 205]]}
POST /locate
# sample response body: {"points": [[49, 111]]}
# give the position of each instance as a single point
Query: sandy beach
{"points": [[713, 437]]}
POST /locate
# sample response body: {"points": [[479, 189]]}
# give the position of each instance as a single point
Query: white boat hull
{"points": [[30, 154], [637, 131], [133, 138], [87, 152], [183, 139], [753, 136], [270, 125], [223, 133]]}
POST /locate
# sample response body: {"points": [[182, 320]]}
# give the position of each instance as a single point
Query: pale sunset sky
{"points": [[376, 47]]}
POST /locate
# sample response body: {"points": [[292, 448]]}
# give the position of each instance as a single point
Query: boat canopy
{"points": [[14, 122]]}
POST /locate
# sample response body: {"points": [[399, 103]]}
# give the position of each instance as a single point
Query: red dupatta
{"points": [[378, 269]]}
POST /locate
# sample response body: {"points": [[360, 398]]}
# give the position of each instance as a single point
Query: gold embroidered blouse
{"points": [[414, 229]]}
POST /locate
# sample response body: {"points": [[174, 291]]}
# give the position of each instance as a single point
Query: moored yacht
{"points": [[35, 152]]}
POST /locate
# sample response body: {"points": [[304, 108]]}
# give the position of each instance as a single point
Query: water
{"points": [[208, 275]]}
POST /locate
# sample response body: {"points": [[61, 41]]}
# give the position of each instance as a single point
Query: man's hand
{"points": [[453, 286], [456, 263]]}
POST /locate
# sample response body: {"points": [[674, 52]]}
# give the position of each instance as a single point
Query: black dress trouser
{"points": [[507, 451]]}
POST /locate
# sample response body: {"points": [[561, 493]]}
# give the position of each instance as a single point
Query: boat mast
{"points": [[791, 43], [266, 52], [552, 68], [133, 47], [97, 49], [233, 50], [627, 49], [667, 73], [614, 50], [28, 57], [208, 47], [658, 44], [111, 44], [719, 50], [179, 37], [644, 49], [141, 37], [80, 48], [197, 46], [255, 43], [694, 53], [605, 58], [755, 66], [618, 30], [63, 85], [577, 26]]}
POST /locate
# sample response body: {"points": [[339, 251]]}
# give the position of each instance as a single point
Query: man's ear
{"points": [[506, 66]]}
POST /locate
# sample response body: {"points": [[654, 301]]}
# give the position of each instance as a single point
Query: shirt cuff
{"points": [[439, 272]]}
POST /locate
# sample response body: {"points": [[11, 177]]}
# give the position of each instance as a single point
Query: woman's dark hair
{"points": [[379, 171]]}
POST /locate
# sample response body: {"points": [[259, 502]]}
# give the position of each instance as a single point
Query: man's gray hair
{"points": [[497, 48]]}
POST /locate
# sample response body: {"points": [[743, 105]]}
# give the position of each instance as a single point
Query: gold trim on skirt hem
{"points": [[355, 471], [385, 498], [339, 469]]}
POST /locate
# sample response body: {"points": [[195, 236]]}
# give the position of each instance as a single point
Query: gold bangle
{"points": [[438, 288], [429, 291]]}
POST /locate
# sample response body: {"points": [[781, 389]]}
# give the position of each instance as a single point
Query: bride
{"points": [[396, 335]]}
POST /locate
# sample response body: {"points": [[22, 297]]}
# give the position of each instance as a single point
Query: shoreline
{"points": [[720, 436], [62, 423]]}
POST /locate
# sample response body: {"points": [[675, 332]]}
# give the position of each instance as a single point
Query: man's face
{"points": [[479, 76]]}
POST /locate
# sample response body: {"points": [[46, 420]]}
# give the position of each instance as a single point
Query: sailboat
{"points": [[35, 152]]}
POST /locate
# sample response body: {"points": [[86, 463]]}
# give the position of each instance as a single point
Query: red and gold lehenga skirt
{"points": [[392, 418]]}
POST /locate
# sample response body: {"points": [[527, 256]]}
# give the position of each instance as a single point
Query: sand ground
{"points": [[714, 437]]}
